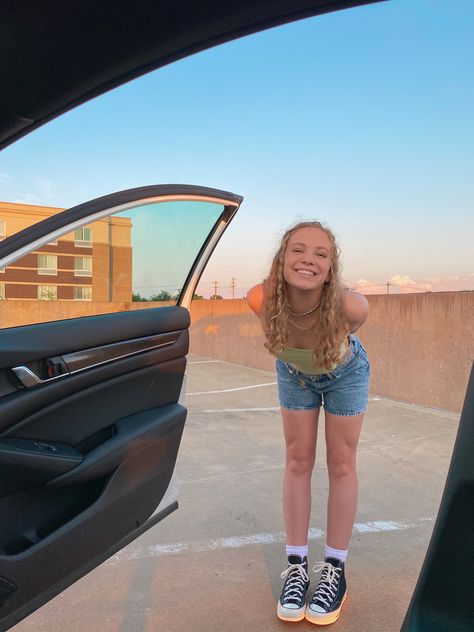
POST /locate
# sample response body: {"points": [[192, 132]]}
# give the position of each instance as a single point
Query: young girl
{"points": [[308, 321]]}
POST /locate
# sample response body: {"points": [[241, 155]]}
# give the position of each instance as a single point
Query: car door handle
{"points": [[29, 379], [75, 362]]}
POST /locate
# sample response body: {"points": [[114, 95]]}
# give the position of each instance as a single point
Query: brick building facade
{"points": [[94, 263]]}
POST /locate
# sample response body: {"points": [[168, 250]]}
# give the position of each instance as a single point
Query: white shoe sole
{"points": [[324, 619], [290, 614]]}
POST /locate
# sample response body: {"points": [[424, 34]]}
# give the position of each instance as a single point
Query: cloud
{"points": [[368, 287], [45, 192], [403, 284], [451, 283], [397, 284], [47, 188], [5, 177], [27, 198]]}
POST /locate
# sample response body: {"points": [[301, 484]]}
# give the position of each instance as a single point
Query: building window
{"points": [[47, 264], [83, 237], [83, 293], [2, 291], [83, 266], [3, 229], [47, 292]]}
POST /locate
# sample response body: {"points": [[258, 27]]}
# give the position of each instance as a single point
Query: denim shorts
{"points": [[343, 391]]}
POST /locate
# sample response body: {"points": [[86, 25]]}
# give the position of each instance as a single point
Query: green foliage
{"points": [[136, 297], [164, 295]]}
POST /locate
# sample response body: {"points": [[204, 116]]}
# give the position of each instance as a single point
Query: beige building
{"points": [[94, 263]]}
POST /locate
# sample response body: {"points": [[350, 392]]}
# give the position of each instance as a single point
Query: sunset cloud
{"points": [[397, 284], [451, 283], [406, 283], [403, 284]]}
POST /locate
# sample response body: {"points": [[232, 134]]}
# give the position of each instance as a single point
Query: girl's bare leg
{"points": [[342, 437], [300, 428]]}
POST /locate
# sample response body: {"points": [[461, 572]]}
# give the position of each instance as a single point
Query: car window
{"points": [[134, 259]]}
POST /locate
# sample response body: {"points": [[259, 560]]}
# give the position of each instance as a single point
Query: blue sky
{"points": [[362, 118]]}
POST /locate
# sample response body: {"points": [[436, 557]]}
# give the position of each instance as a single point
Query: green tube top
{"points": [[302, 359]]}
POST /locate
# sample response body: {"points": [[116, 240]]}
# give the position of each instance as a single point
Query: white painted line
{"points": [[230, 474], [203, 361], [232, 390], [434, 434], [378, 526], [253, 539], [238, 410]]}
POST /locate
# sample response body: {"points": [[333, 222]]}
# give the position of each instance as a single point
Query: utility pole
{"points": [[214, 283], [388, 287], [232, 287]]}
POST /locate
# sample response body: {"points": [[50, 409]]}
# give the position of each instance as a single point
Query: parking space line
{"points": [[232, 390], [238, 410], [253, 539], [241, 410], [216, 477], [203, 361]]}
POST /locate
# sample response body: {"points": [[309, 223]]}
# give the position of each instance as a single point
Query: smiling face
{"points": [[307, 259]]}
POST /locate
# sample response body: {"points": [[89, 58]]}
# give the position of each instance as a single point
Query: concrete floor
{"points": [[214, 565]]}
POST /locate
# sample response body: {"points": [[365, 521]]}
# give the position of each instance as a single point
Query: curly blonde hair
{"points": [[331, 326]]}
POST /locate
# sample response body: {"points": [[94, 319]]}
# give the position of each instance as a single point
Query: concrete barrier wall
{"points": [[421, 346], [15, 313]]}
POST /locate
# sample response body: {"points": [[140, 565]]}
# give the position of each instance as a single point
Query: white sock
{"points": [[302, 550], [339, 554]]}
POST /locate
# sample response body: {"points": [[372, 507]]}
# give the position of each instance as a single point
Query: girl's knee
{"points": [[300, 465], [341, 465]]}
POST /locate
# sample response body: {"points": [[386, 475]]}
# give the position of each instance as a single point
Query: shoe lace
{"points": [[296, 583], [328, 583]]}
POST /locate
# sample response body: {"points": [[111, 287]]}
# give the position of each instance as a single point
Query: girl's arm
{"points": [[255, 299], [355, 308]]}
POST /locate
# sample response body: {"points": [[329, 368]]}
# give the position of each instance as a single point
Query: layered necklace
{"points": [[296, 314], [310, 311]]}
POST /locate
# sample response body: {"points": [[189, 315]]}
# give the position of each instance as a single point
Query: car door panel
{"points": [[56, 408], [110, 508], [91, 413], [90, 452], [443, 597]]}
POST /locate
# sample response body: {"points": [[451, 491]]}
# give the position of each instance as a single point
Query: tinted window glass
{"points": [[134, 259]]}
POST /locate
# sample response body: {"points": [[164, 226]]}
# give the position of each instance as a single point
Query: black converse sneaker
{"points": [[326, 604], [291, 605]]}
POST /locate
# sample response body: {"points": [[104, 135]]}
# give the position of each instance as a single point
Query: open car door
{"points": [[91, 381]]}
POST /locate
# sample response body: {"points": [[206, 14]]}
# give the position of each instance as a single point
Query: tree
{"points": [[197, 297], [161, 296], [215, 297], [136, 297]]}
